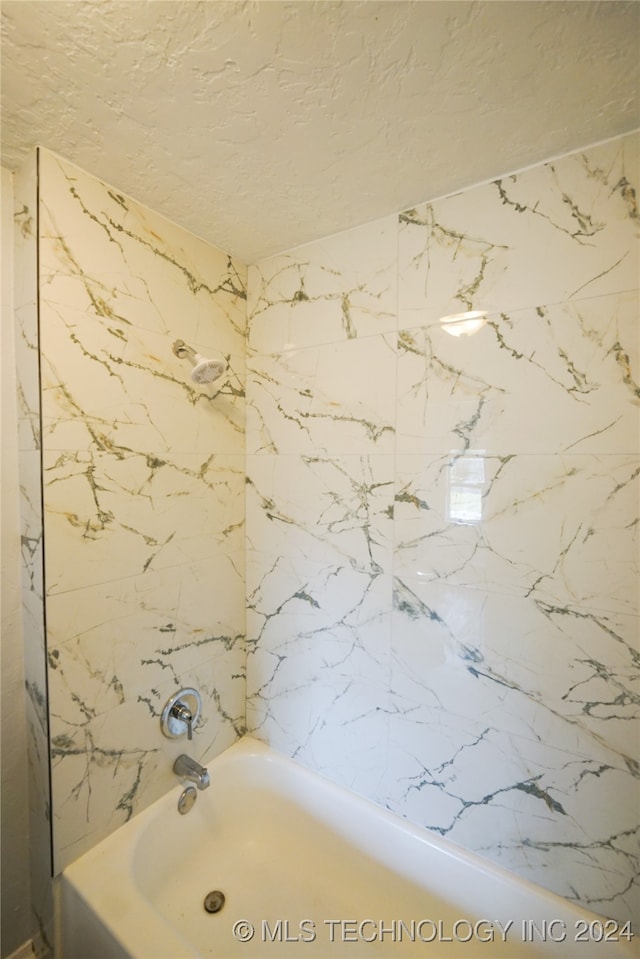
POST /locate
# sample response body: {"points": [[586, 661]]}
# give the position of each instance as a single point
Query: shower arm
{"points": [[181, 350]]}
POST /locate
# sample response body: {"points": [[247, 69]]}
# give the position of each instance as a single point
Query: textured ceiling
{"points": [[262, 125]]}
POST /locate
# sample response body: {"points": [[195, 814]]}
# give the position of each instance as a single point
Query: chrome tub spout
{"points": [[187, 768]]}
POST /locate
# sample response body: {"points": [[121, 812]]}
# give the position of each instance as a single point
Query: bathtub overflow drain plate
{"points": [[214, 901]]}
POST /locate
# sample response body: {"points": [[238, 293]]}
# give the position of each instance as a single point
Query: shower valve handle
{"points": [[182, 712]]}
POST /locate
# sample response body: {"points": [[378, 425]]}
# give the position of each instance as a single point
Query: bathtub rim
{"points": [[135, 915]]}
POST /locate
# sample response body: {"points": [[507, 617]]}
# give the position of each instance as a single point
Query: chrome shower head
{"points": [[204, 370]]}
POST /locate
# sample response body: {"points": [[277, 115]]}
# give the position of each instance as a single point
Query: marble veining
{"points": [[311, 399], [443, 598], [557, 529], [554, 233], [32, 554], [344, 287], [439, 589], [580, 360], [143, 481]]}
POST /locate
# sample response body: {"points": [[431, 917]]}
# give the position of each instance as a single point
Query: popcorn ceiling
{"points": [[263, 125]]}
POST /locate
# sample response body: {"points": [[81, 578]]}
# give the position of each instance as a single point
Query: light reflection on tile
{"points": [[563, 378], [560, 529]]}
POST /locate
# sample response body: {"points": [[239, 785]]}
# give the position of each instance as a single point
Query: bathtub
{"points": [[307, 869]]}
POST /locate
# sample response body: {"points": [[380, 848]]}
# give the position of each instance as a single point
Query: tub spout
{"points": [[187, 768]]}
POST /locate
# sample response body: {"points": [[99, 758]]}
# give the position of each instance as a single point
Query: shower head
{"points": [[204, 370]]}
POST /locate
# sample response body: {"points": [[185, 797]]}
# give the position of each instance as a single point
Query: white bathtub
{"points": [[308, 870]]}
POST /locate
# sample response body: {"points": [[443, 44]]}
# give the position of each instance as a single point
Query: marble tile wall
{"points": [[143, 487], [442, 532], [31, 536]]}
